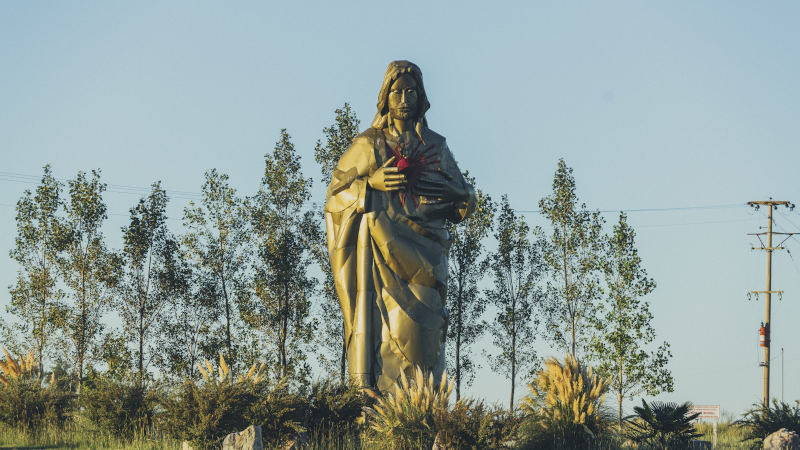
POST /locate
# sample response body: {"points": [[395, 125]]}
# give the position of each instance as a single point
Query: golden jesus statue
{"points": [[391, 193]]}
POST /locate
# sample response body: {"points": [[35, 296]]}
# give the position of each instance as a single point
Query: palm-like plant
{"points": [[761, 421], [663, 425]]}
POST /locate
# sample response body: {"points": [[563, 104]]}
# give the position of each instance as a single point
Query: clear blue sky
{"points": [[654, 105]]}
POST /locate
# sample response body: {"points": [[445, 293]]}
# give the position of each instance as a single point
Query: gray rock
{"points": [[247, 439], [782, 439]]}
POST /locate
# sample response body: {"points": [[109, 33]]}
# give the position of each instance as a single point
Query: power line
{"points": [[675, 208], [116, 188]]}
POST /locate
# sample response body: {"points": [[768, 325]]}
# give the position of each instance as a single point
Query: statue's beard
{"points": [[402, 114]]}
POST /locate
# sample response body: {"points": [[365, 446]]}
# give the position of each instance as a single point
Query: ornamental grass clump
{"points": [[24, 401], [22, 367], [254, 375], [563, 408], [411, 415]]}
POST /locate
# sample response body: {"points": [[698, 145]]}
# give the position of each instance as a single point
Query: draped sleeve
{"points": [[347, 200]]}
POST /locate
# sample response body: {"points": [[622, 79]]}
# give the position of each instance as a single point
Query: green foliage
{"points": [[470, 424], [148, 253], [338, 138], [36, 298], [515, 267], [572, 255], [624, 324], [25, 403], [335, 405], [761, 421], [204, 413], [89, 270], [215, 246], [465, 303], [662, 425], [280, 412], [278, 300], [564, 406], [116, 356], [118, 407]]}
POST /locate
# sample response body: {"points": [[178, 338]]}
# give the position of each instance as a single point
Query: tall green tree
{"points": [[515, 268], [573, 257], [214, 242], [186, 330], [36, 299], [467, 266], [144, 289], [338, 138], [284, 233], [624, 325], [89, 269]]}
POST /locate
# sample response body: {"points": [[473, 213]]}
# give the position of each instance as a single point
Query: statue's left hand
{"points": [[446, 189]]}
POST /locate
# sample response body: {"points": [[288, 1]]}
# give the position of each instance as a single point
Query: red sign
{"points": [[706, 411]]}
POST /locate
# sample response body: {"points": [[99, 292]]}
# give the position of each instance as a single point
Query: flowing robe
{"points": [[389, 261]]}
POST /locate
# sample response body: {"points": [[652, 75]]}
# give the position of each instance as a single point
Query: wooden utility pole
{"points": [[772, 204]]}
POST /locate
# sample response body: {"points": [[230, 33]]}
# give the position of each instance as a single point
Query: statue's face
{"points": [[403, 98]]}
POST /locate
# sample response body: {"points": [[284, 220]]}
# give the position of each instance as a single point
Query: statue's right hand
{"points": [[387, 178]]}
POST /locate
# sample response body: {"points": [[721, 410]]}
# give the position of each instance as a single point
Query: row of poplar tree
{"points": [[237, 280]]}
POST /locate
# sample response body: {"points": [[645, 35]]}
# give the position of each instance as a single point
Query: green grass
{"points": [[728, 435], [82, 436], [77, 437]]}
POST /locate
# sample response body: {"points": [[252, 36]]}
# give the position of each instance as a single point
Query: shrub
{"points": [[280, 412], [25, 403], [563, 408], [470, 424], [335, 405], [761, 421], [411, 416], [204, 413], [663, 425], [119, 407]]}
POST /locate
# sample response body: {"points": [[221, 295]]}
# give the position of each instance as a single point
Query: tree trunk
{"points": [[513, 355], [573, 337], [342, 368], [459, 326]]}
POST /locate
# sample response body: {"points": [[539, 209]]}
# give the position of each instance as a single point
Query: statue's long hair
{"points": [[395, 70]]}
